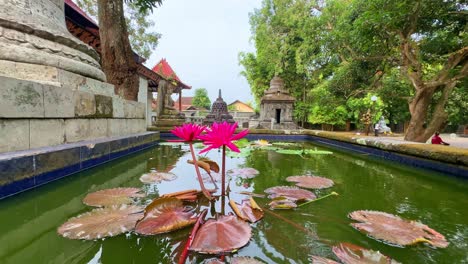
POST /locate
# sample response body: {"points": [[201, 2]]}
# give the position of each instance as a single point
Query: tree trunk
{"points": [[117, 57], [419, 108]]}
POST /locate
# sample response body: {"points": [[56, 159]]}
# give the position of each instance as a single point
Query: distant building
{"points": [[239, 106], [241, 113]]}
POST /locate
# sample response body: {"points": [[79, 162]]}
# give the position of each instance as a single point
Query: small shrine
{"points": [[219, 113], [276, 107], [167, 115]]}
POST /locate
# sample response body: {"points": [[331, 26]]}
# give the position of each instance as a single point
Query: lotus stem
{"points": [[323, 197], [200, 180], [223, 172], [184, 255]]}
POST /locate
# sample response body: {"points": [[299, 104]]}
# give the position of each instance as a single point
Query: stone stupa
{"points": [[219, 113]]}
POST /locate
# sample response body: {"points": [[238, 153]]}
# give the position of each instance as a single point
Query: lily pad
{"points": [[171, 143], [244, 152], [303, 151], [395, 230], [282, 204], [286, 144], [241, 143], [226, 234], [311, 182], [322, 260], [291, 193], [165, 215], [213, 165], [113, 196], [245, 260], [261, 143], [102, 222], [352, 254], [187, 195], [245, 173], [248, 210], [157, 177]]}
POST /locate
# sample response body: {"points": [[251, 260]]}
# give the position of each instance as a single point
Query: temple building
{"points": [[276, 107]]}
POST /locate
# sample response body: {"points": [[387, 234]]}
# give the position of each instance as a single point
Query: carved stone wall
{"points": [[34, 32]]}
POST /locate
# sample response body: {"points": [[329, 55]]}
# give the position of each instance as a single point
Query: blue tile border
{"points": [[24, 170], [447, 168]]}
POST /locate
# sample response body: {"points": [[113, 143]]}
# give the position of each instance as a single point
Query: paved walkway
{"points": [[458, 142]]}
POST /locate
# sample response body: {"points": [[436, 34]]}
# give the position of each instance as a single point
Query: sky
{"points": [[201, 41]]}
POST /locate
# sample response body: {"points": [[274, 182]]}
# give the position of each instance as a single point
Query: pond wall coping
{"points": [[27, 169], [443, 159]]}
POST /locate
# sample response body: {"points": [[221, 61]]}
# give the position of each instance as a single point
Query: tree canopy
{"points": [[201, 98], [333, 54], [142, 39]]}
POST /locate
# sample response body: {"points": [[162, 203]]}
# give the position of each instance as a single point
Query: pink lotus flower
{"points": [[221, 135], [187, 132]]}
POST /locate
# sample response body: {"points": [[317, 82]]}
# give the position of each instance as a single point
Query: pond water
{"points": [[28, 222]]}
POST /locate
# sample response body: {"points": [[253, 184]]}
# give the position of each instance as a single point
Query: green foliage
{"points": [[137, 12], [358, 106], [201, 98], [334, 54]]}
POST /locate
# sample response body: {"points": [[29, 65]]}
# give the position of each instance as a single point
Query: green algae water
{"points": [[29, 221]]}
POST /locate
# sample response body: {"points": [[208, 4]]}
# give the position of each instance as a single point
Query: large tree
{"points": [[201, 98], [117, 57], [427, 40], [340, 50], [142, 39]]}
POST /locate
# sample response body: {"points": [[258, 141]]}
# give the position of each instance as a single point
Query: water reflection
{"points": [[28, 221]]}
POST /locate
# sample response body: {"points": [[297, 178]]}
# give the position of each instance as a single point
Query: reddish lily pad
{"points": [[248, 210], [213, 165], [311, 182], [157, 177], [187, 195], [102, 222], [245, 260], [226, 234], [246, 173], [395, 230], [282, 204], [291, 193], [165, 215], [114, 196], [213, 260], [352, 254], [322, 260]]}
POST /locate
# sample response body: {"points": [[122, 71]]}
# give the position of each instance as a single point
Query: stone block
{"points": [[46, 132], [85, 104], [98, 128], [116, 127], [118, 107], [37, 72], [80, 83], [19, 98], [14, 134], [142, 90], [134, 109], [58, 102], [135, 126], [76, 130], [103, 106]]}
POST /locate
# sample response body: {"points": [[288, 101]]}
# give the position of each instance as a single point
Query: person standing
{"points": [[376, 129]]}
